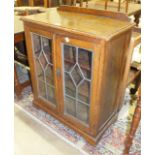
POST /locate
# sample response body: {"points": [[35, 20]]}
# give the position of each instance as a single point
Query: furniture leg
{"points": [[17, 84], [18, 2], [106, 4], [46, 3], [81, 3], [137, 17], [31, 2], [86, 3], [137, 84], [126, 6], [134, 125], [119, 5]]}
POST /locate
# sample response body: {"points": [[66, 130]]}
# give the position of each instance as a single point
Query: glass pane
{"points": [[49, 75], [69, 86], [42, 49], [77, 76], [46, 43], [51, 94], [36, 39], [82, 112], [39, 69], [43, 60], [85, 62], [42, 89], [84, 92], [70, 57], [70, 106]]}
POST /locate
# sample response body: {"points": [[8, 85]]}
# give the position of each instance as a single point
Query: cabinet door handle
{"points": [[58, 72]]}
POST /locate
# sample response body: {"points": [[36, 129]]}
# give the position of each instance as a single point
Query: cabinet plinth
{"points": [[79, 67]]}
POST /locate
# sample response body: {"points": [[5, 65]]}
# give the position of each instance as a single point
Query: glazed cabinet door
{"points": [[42, 64], [77, 64]]}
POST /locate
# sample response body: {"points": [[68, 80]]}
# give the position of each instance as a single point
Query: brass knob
{"points": [[67, 39]]}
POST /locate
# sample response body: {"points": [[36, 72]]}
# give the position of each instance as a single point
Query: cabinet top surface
{"points": [[91, 25]]}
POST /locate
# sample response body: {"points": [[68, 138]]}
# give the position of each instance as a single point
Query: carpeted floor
{"points": [[111, 143]]}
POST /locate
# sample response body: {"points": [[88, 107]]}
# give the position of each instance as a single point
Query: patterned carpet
{"points": [[111, 143]]}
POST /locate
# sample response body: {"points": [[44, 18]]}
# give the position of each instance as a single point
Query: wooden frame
{"points": [[86, 45]]}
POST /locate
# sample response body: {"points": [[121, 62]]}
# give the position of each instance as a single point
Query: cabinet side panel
{"points": [[113, 75]]}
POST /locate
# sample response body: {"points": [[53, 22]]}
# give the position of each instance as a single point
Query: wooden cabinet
{"points": [[78, 68]]}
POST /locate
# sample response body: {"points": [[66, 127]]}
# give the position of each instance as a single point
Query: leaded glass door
{"points": [[77, 76], [44, 68]]}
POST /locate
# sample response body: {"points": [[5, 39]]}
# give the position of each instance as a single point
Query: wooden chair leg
{"points": [[18, 88], [126, 6], [134, 125], [18, 3], [106, 4], [86, 3], [81, 3], [31, 2], [137, 17], [137, 84], [46, 5], [119, 5]]}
